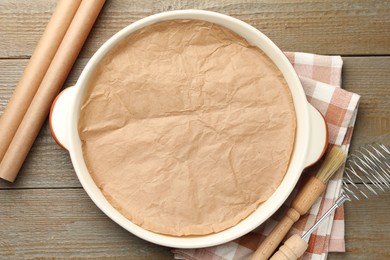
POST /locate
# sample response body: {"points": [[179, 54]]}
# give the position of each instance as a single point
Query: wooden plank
{"points": [[65, 223], [49, 166], [369, 77], [367, 229], [354, 27]]}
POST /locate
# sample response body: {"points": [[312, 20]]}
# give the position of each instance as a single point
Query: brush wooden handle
{"points": [[292, 249], [300, 206]]}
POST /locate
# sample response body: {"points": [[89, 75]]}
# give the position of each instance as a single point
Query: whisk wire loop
{"points": [[382, 161], [369, 166], [376, 163]]}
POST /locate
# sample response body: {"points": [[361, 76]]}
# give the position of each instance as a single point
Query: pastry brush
{"points": [[301, 203]]}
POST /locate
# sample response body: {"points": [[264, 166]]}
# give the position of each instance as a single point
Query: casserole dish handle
{"points": [[58, 116], [318, 141]]}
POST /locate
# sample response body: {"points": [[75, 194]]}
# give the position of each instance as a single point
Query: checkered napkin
{"points": [[321, 80]]}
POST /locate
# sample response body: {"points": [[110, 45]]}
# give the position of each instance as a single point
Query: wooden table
{"points": [[46, 213]]}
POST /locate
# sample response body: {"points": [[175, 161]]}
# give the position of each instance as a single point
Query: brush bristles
{"points": [[332, 162]]}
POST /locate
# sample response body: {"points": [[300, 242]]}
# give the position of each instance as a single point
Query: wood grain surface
{"points": [[64, 222], [328, 27], [46, 213]]}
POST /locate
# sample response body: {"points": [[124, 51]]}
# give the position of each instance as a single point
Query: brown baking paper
{"points": [[186, 128], [51, 84], [34, 73]]}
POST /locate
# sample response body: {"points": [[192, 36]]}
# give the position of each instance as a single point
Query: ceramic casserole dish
{"points": [[310, 136]]}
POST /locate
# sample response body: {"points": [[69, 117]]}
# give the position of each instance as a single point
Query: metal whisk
{"points": [[370, 164]]}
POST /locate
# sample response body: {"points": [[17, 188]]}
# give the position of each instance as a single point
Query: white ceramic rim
{"points": [[297, 163]]}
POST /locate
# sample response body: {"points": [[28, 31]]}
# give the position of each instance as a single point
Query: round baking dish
{"points": [[310, 139]]}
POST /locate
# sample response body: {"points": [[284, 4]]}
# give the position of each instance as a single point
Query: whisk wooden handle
{"points": [[300, 205], [292, 249]]}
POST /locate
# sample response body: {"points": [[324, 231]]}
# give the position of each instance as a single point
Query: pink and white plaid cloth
{"points": [[321, 80]]}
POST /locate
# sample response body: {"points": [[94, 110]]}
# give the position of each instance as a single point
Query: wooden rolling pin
{"points": [[302, 203]]}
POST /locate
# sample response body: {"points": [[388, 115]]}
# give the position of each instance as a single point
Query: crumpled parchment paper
{"points": [[186, 128]]}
